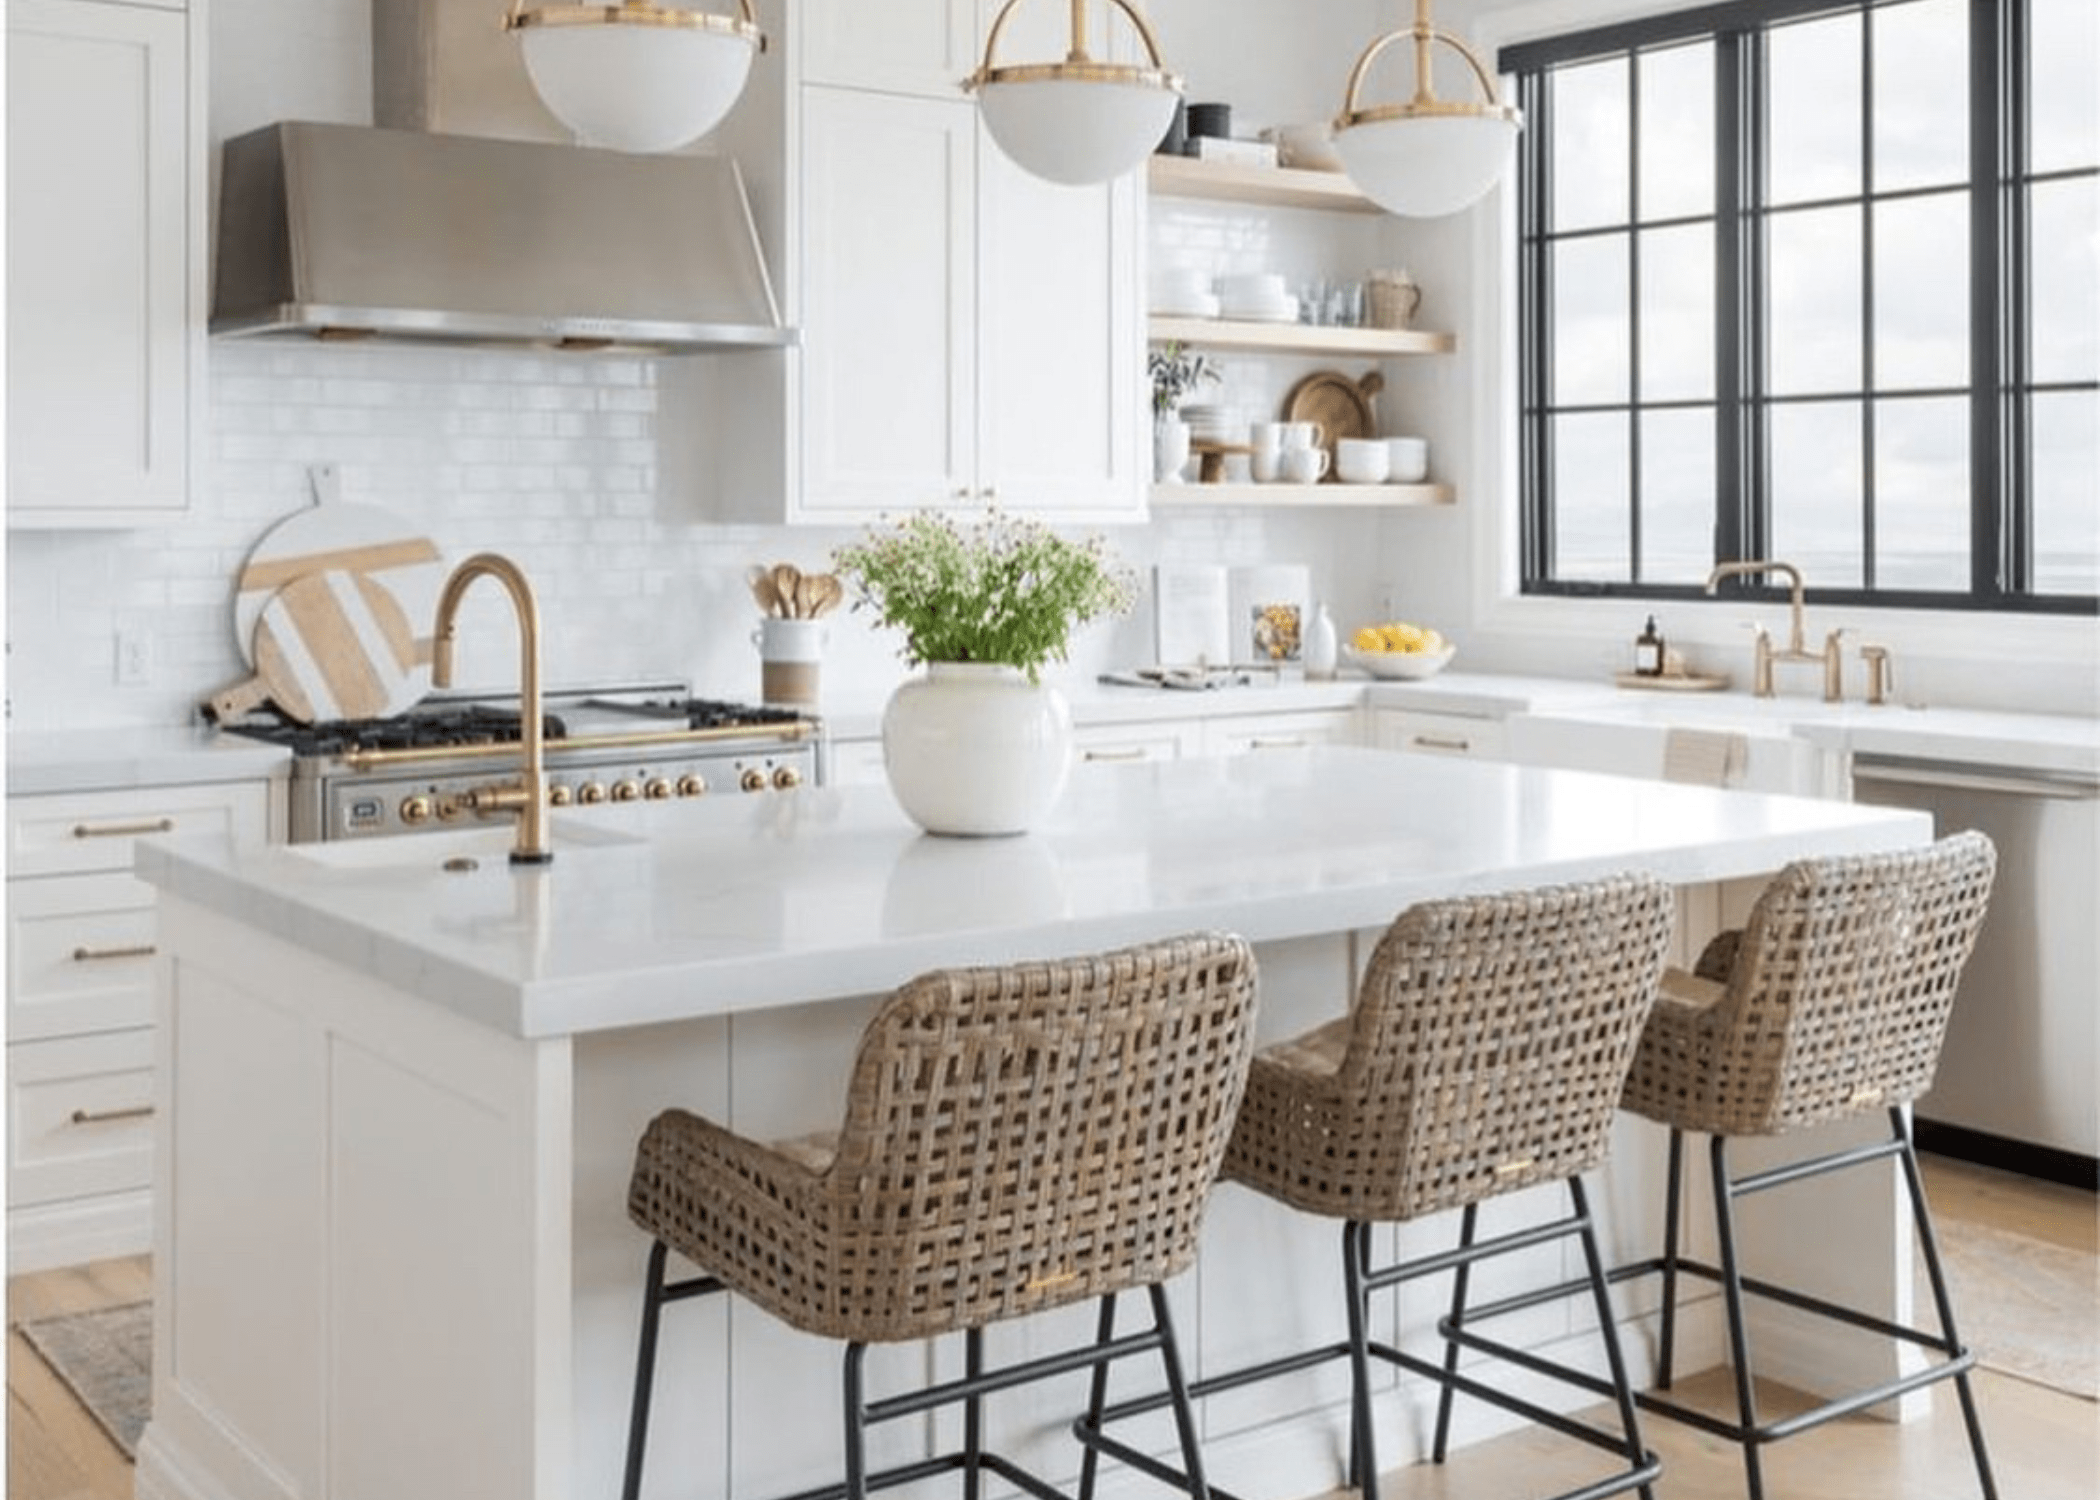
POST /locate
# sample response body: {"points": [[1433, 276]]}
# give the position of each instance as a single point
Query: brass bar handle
{"points": [[111, 1116], [99, 955], [1261, 742], [1437, 742], [1134, 753], [122, 830]]}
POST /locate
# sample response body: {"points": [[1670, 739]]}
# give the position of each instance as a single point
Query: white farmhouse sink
{"points": [[1629, 735], [486, 847]]}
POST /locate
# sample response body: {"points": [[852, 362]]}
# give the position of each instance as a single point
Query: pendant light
{"points": [[636, 76], [1079, 120], [1429, 156]]}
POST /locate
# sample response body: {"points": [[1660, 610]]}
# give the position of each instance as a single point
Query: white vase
{"points": [[976, 749], [1170, 449]]}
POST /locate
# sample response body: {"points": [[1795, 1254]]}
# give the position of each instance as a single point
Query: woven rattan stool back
{"points": [[1486, 1051], [1837, 996]]}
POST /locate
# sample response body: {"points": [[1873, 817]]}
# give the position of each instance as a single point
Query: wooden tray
{"points": [[1671, 682]]}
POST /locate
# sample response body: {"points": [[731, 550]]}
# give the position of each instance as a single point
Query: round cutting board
{"points": [[337, 645], [366, 540]]}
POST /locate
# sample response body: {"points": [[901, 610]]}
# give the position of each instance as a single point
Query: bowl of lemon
{"points": [[1400, 650]]}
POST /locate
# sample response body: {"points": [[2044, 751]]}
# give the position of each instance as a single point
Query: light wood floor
{"points": [[2045, 1445]]}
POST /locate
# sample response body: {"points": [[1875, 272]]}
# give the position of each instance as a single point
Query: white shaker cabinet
{"points": [[105, 260], [1438, 733], [970, 334]]}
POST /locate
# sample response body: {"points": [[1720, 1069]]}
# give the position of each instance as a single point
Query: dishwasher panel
{"points": [[2022, 1058]]}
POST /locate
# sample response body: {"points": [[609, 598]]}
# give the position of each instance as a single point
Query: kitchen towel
{"points": [[1704, 757]]}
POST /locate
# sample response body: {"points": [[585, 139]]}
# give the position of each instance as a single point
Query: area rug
{"points": [[2028, 1308], [106, 1358]]}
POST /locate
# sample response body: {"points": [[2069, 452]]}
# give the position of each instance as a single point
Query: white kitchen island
{"points": [[401, 1082]]}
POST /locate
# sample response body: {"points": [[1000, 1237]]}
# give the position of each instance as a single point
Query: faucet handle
{"points": [[1881, 673]]}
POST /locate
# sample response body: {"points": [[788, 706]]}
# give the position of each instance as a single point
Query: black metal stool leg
{"points": [[1673, 1203], [1097, 1398], [1607, 1329], [1943, 1303], [973, 1415], [1738, 1335], [644, 1371], [1363, 1446], [1466, 1224], [1177, 1387], [855, 1395]]}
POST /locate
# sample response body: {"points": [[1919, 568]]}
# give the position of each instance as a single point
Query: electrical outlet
{"points": [[134, 658]]}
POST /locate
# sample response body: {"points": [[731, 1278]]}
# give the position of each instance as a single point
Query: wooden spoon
{"points": [[829, 593], [760, 578], [786, 578]]}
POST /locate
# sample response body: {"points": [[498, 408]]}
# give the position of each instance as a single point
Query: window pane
{"points": [[1591, 321], [1813, 112], [1592, 497], [1677, 314], [1677, 132], [1815, 480], [2067, 492], [1921, 90], [2063, 106], [1592, 145], [1921, 292], [1813, 284], [1921, 494], [2064, 260], [1677, 496]]}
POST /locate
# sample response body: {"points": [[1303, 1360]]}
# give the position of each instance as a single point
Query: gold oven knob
{"points": [[626, 789], [753, 780], [449, 808], [786, 776], [416, 809], [658, 789], [590, 793], [559, 795], [691, 784]]}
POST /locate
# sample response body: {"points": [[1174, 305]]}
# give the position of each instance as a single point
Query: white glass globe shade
{"points": [[1074, 130], [1425, 166], [637, 88]]}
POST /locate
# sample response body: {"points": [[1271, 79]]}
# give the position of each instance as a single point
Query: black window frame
{"points": [[2001, 562]]}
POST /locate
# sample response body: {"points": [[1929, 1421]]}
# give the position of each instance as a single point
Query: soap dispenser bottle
{"points": [[1648, 651]]}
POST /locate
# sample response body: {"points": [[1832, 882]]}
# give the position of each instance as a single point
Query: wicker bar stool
{"points": [[1832, 1001], [1485, 1053], [1015, 1139]]}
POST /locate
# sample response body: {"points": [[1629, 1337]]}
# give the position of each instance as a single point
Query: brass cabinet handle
{"points": [[1135, 752], [122, 830], [1260, 743], [1432, 742], [107, 1116], [97, 955]]}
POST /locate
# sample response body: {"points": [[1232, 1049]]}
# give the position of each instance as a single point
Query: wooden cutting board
{"points": [[331, 645]]}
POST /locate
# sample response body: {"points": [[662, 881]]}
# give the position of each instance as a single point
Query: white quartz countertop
{"points": [[122, 759], [660, 912], [1095, 702]]}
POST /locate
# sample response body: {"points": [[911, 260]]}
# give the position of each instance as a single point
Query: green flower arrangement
{"points": [[1001, 591], [1175, 374]]}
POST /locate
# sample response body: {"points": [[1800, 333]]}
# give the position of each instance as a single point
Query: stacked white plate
{"points": [[1211, 424], [1202, 305], [1257, 298], [1179, 293]]}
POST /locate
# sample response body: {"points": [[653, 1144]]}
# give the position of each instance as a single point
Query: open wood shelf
{"points": [[1386, 496], [1297, 338], [1275, 187]]}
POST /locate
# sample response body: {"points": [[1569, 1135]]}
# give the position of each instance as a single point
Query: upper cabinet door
{"points": [[103, 277], [888, 302], [924, 47]]}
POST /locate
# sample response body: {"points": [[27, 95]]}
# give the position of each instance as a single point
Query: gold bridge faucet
{"points": [[527, 796], [1832, 655]]}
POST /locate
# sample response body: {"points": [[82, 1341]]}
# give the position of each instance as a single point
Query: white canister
{"points": [[790, 657]]}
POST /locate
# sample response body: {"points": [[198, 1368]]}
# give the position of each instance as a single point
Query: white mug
{"points": [[1361, 460], [1304, 465], [1301, 435], [1266, 439]]}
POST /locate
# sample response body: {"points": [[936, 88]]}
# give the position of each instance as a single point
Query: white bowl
{"points": [[1401, 665], [1408, 459], [1256, 286]]}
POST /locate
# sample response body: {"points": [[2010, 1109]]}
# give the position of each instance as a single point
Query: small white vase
{"points": [[976, 749], [1170, 449]]}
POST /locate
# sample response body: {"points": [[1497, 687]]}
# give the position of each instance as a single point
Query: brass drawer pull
{"points": [[1261, 743], [1134, 753], [109, 1116], [1433, 742], [97, 955], [122, 830]]}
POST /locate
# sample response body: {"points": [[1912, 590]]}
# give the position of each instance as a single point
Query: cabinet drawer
{"points": [[1113, 743], [77, 833], [79, 955], [1241, 736], [1439, 734], [79, 1116]]}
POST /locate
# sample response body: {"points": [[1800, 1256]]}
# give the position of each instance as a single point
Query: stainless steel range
{"points": [[650, 742]]}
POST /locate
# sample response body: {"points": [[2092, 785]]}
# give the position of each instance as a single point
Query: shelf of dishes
{"points": [[1311, 338], [1275, 187], [1334, 493]]}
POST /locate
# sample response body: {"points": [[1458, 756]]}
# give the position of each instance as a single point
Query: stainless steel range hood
{"points": [[346, 231]]}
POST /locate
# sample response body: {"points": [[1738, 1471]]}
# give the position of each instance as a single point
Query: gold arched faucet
{"points": [[1832, 656], [525, 798]]}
